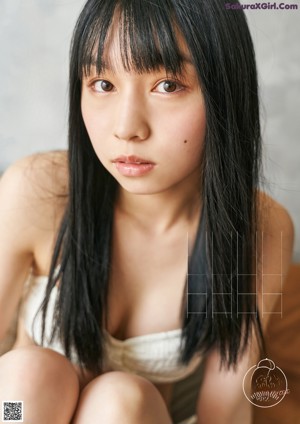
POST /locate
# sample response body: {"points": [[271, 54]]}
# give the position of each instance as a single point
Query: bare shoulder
{"points": [[33, 192], [276, 226], [274, 216], [38, 173], [276, 241]]}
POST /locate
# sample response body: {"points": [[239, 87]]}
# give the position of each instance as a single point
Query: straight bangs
{"points": [[147, 37]]}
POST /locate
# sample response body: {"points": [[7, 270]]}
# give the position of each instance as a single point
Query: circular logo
{"points": [[265, 384]]}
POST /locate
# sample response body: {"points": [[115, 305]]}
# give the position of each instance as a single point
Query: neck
{"points": [[160, 212]]}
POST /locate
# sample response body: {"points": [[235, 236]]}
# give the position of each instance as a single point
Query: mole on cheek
{"points": [[185, 141]]}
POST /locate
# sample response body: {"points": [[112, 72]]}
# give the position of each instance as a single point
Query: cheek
{"points": [[187, 133], [195, 132], [95, 118], [97, 132], [88, 119], [193, 122]]}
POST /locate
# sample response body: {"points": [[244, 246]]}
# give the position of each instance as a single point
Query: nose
{"points": [[131, 121]]}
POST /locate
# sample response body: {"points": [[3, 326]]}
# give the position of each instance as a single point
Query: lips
{"points": [[132, 160], [133, 166]]}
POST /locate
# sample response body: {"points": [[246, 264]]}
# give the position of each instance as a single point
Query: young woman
{"points": [[144, 246]]}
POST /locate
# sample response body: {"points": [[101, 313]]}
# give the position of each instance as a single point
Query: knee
{"points": [[33, 370], [121, 385], [114, 394]]}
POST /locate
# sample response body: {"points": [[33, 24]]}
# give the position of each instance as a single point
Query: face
{"points": [[146, 129]]}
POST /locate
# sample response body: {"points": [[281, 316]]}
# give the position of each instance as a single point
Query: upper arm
{"points": [[15, 242], [221, 397], [24, 214]]}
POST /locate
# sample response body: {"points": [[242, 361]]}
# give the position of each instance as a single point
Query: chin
{"points": [[140, 187]]}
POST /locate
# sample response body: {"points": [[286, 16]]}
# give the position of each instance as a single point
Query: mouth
{"points": [[134, 160], [133, 166]]}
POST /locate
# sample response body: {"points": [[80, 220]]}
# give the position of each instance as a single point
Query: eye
{"points": [[102, 86], [168, 86]]}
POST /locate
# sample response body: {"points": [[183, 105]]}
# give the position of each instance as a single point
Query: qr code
{"points": [[12, 412]]}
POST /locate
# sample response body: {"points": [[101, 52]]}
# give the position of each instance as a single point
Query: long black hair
{"points": [[221, 50]]}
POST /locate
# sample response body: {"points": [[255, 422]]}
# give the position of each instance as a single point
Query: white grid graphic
{"points": [[261, 276]]}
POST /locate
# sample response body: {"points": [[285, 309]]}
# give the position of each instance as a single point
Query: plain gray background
{"points": [[34, 46]]}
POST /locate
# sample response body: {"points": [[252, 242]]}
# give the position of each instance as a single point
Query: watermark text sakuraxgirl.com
{"points": [[262, 6]]}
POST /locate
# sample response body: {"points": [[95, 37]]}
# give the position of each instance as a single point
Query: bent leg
{"points": [[44, 380], [119, 397]]}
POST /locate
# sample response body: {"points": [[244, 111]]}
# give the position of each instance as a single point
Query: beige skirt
{"points": [[184, 398]]}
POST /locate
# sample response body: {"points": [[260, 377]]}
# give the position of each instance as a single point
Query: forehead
{"points": [[112, 58], [126, 44]]}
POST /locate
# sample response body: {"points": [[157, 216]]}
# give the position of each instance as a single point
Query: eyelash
{"points": [[179, 86]]}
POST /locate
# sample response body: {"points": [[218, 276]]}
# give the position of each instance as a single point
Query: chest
{"points": [[147, 283]]}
